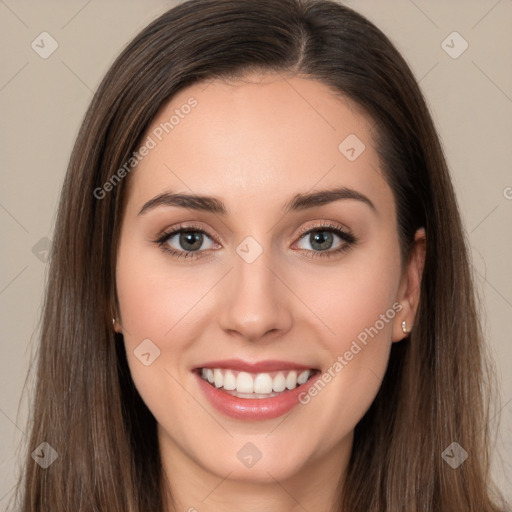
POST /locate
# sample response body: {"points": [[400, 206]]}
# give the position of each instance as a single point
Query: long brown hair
{"points": [[434, 392]]}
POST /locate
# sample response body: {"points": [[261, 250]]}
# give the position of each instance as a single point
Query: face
{"points": [[287, 300]]}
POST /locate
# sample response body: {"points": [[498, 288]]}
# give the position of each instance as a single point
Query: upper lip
{"points": [[254, 367]]}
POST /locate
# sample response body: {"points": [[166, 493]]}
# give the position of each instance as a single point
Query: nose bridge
{"points": [[255, 301]]}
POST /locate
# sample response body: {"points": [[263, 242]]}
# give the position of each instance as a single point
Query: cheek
{"points": [[360, 312], [364, 302], [159, 305], [154, 297], [355, 298], [155, 304]]}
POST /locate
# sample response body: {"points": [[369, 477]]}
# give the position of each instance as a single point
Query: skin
{"points": [[254, 144]]}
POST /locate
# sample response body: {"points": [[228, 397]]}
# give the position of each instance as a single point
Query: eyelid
{"points": [[185, 226], [320, 225]]}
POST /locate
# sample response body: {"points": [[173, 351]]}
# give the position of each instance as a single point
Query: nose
{"points": [[255, 302]]}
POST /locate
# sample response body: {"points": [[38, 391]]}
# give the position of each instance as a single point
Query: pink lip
{"points": [[253, 409], [256, 367]]}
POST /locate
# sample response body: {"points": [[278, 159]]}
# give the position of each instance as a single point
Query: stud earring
{"points": [[404, 327]]}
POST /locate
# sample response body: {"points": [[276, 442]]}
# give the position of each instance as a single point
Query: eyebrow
{"points": [[215, 205]]}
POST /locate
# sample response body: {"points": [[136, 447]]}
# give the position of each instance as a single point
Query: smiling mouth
{"points": [[259, 385]]}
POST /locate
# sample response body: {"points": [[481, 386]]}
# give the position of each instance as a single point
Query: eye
{"points": [[188, 241], [185, 241], [322, 238]]}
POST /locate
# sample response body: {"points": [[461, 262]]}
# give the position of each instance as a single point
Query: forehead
{"points": [[258, 138]]}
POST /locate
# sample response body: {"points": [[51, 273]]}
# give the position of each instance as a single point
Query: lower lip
{"points": [[254, 409]]}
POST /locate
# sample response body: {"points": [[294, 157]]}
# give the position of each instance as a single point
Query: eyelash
{"points": [[346, 236]]}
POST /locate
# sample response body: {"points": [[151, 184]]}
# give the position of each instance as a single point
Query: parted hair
{"points": [[437, 388]]}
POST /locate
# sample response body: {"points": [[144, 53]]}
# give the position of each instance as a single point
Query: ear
{"points": [[117, 326], [114, 311], [409, 288], [116, 321]]}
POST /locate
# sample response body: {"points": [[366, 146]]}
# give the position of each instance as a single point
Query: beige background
{"points": [[43, 101]]}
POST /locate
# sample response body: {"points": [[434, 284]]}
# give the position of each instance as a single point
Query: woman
{"points": [[259, 294]]}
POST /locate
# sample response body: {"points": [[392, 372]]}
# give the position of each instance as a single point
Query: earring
{"points": [[404, 327]]}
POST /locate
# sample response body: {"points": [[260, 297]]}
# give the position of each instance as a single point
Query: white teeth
{"points": [[244, 383], [291, 380], [303, 377], [279, 383], [229, 381], [263, 383], [217, 378], [259, 385]]}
